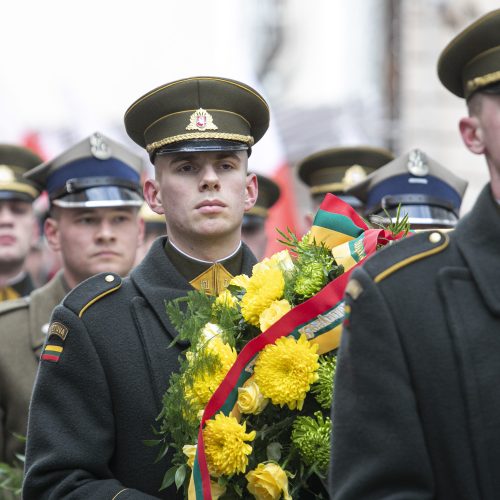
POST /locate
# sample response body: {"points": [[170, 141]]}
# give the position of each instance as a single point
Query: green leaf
{"points": [[152, 442], [273, 451], [168, 478], [180, 475], [162, 452]]}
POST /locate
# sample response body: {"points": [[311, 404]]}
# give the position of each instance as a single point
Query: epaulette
{"points": [[403, 253], [91, 290], [12, 305]]}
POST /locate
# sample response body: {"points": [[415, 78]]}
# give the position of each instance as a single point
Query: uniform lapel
{"points": [[478, 239]]}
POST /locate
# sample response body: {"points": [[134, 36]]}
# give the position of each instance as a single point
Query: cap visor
{"points": [[100, 196], [200, 145]]}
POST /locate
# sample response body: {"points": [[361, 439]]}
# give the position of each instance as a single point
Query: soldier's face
{"points": [[17, 232], [203, 196], [95, 240]]}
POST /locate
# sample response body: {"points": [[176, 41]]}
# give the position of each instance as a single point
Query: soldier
{"points": [[430, 194], [95, 195], [106, 364], [253, 230], [415, 413], [17, 220], [335, 170]]}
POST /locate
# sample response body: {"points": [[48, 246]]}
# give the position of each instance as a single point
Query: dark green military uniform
{"points": [[106, 364], [23, 323], [416, 413], [97, 402], [418, 416]]}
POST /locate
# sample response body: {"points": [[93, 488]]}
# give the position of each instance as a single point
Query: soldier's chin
{"points": [[9, 260]]}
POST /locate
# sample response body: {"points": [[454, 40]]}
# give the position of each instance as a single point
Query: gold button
{"points": [[435, 237], [109, 278]]}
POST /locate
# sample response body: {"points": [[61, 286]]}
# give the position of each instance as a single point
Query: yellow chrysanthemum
{"points": [[263, 289], [285, 370], [225, 445], [268, 482], [225, 299], [206, 382], [273, 313], [241, 280]]}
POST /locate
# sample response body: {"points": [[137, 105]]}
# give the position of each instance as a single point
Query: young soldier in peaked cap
{"points": [[430, 194], [17, 219], [414, 407], [93, 223], [334, 170], [198, 133]]}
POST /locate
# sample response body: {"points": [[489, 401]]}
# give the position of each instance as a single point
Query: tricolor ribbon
{"points": [[320, 318]]}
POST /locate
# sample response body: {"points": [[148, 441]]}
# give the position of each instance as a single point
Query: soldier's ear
{"points": [[152, 195], [472, 134], [51, 231]]}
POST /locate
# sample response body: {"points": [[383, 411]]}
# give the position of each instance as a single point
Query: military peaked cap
{"points": [[471, 61], [198, 114], [96, 172], [14, 162], [429, 193]]}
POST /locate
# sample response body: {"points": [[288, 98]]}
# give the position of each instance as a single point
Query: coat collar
{"points": [[478, 238], [160, 282]]}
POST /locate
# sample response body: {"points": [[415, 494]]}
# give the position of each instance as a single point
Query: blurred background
{"points": [[335, 73]]}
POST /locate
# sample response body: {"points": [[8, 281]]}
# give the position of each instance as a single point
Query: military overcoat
{"points": [[416, 411], [94, 406], [23, 325]]}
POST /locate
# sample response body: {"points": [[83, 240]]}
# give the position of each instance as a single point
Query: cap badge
{"points": [[201, 120], [6, 174], [417, 163], [353, 175], [99, 148]]}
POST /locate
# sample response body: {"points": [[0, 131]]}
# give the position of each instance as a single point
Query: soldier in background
{"points": [[430, 194], [95, 195], [18, 225], [253, 230], [335, 170]]}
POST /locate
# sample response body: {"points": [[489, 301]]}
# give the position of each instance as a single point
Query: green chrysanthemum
{"points": [[311, 436], [323, 387], [312, 279]]}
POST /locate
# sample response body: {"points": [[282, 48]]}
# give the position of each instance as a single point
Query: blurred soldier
{"points": [[335, 170], [95, 197], [416, 413], [18, 229], [154, 227], [429, 193], [199, 132], [253, 230]]}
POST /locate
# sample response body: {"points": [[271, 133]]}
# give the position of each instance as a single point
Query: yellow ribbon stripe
{"points": [[55, 348], [329, 237], [329, 340]]}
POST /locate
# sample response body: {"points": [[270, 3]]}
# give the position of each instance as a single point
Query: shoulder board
{"points": [[403, 253], [91, 290], [12, 305]]}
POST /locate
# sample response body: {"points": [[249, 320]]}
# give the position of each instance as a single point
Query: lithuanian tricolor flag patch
{"points": [[52, 353]]}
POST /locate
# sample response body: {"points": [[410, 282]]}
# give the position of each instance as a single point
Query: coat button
{"points": [[109, 278], [435, 237]]}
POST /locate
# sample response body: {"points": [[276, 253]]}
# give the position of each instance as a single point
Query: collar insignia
{"points": [[201, 120]]}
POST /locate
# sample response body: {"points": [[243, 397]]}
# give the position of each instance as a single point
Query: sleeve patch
{"points": [[58, 329], [52, 353]]}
